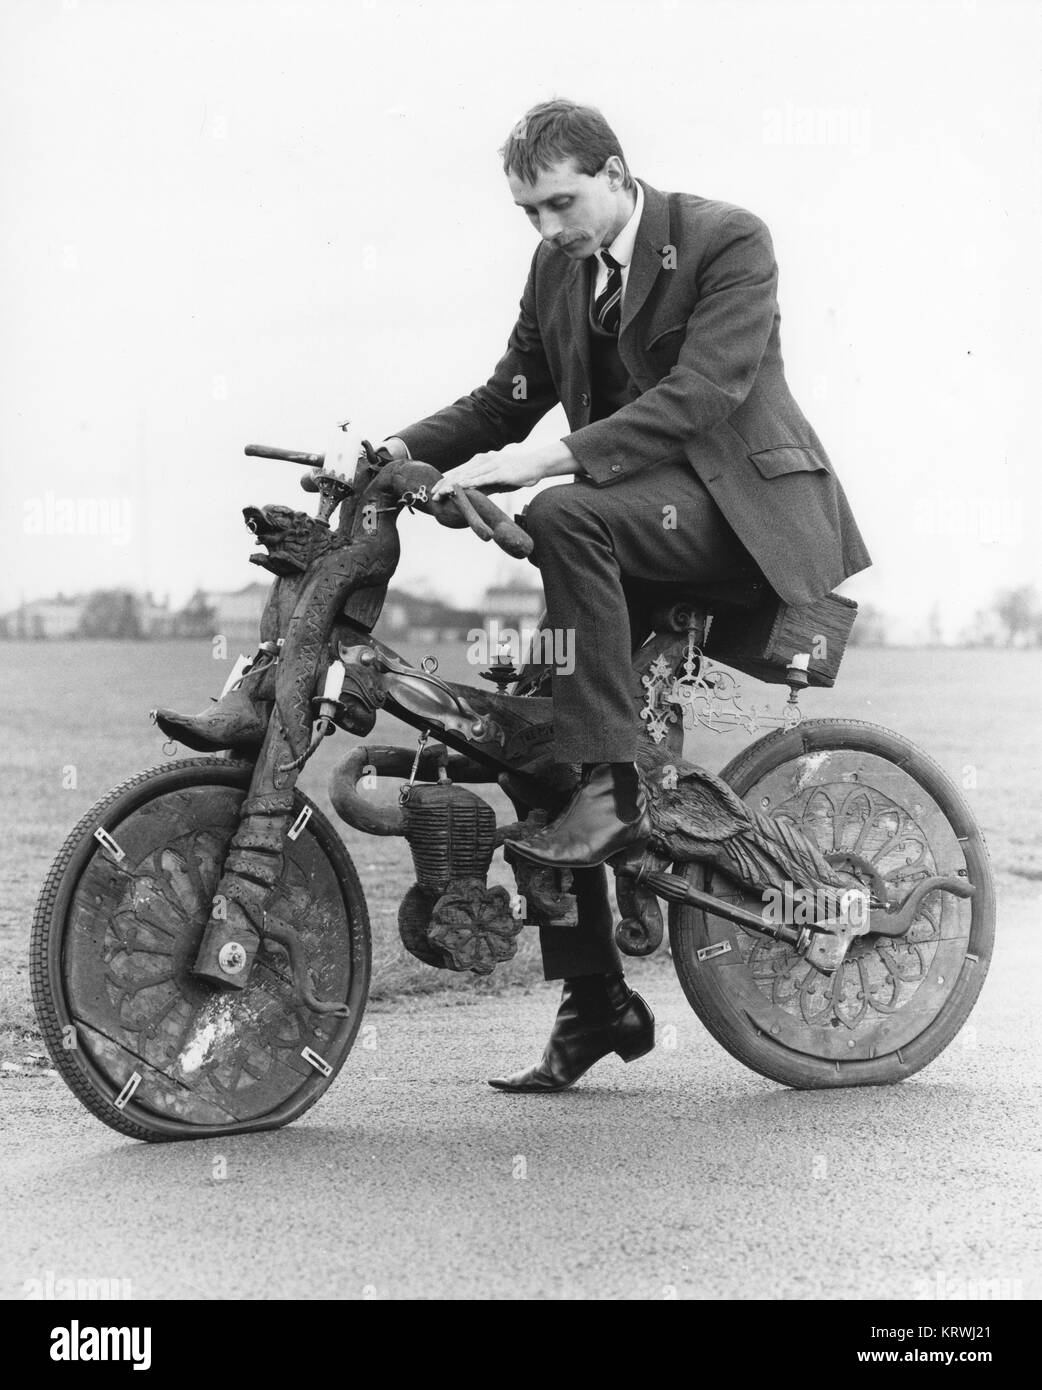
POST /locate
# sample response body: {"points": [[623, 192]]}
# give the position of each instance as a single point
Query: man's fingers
{"points": [[475, 473], [444, 487]]}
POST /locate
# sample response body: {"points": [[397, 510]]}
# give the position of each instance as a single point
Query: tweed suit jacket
{"points": [[699, 336]]}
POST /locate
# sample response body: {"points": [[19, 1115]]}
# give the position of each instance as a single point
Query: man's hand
{"points": [[520, 469], [396, 447]]}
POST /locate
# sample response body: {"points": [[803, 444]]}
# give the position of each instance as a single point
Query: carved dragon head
{"points": [[293, 539]]}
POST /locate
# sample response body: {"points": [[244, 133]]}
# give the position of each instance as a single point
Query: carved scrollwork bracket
{"points": [[703, 695]]}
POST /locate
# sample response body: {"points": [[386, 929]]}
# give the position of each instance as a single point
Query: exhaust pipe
{"points": [[363, 812]]}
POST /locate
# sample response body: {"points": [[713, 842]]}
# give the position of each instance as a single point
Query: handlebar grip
{"points": [[505, 532], [266, 451]]}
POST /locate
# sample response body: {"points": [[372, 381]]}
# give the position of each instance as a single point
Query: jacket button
{"points": [[584, 399], [616, 468]]}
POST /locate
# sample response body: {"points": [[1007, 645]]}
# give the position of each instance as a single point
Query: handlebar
{"points": [[266, 451], [474, 507]]}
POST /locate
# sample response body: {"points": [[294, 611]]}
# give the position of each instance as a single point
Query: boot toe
{"points": [[596, 1017], [530, 1082], [180, 728], [231, 723]]}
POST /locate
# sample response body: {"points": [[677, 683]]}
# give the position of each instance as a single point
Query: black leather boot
{"points": [[607, 814], [598, 1014], [238, 720]]}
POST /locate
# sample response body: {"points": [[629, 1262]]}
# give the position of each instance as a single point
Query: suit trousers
{"points": [[594, 547]]}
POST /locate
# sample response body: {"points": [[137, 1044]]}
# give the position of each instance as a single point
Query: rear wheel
{"points": [[861, 791], [149, 1049]]}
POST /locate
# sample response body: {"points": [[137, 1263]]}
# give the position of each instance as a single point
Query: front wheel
{"points": [[858, 790], [147, 1047]]}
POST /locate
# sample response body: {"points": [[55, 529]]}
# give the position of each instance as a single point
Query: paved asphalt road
{"points": [[681, 1175]]}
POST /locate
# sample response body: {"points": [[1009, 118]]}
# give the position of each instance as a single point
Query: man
{"points": [[652, 318]]}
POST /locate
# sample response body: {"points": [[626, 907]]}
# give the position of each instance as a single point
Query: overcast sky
{"points": [[228, 221]]}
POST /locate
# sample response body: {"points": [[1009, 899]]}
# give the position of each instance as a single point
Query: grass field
{"points": [[76, 723]]}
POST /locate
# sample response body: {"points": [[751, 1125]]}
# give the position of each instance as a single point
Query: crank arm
{"points": [[677, 890], [823, 948], [897, 919]]}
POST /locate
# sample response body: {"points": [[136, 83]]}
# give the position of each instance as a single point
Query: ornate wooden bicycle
{"points": [[201, 951]]}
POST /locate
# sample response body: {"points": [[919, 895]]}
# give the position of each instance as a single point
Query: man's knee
{"points": [[558, 510], [545, 510]]}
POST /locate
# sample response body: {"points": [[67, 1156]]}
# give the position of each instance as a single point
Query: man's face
{"points": [[575, 212]]}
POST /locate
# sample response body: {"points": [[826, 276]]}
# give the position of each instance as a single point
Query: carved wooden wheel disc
{"points": [[886, 988], [151, 1049], [895, 1002]]}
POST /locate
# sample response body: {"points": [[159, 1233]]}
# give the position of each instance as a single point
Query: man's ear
{"points": [[616, 173]]}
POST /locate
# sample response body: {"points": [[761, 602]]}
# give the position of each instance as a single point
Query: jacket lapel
{"points": [[578, 290], [652, 236]]}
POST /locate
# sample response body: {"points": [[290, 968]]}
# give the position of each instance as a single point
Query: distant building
{"points": [[517, 604], [237, 615], [112, 613], [424, 621], [44, 619]]}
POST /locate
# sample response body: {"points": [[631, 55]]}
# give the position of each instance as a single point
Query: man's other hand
{"points": [[522, 468], [397, 448]]}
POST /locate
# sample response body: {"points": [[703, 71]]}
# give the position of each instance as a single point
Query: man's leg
{"points": [[589, 947], [598, 1012], [659, 524]]}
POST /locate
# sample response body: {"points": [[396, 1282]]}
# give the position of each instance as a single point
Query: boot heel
{"points": [[635, 1049], [637, 1031]]}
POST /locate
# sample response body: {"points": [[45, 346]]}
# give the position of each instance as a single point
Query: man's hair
{"points": [[557, 130]]}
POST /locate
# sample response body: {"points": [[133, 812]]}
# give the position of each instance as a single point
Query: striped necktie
{"points": [[607, 307]]}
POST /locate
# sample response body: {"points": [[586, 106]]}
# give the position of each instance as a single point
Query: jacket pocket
{"points": [[666, 333], [787, 459]]}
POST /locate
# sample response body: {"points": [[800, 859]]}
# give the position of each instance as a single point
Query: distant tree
{"points": [[197, 618], [1018, 612], [980, 631], [870, 627], [112, 613]]}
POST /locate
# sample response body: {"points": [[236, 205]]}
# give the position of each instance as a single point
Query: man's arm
{"points": [[723, 346], [504, 411]]}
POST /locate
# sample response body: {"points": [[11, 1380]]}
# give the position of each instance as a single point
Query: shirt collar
{"points": [[622, 247]]}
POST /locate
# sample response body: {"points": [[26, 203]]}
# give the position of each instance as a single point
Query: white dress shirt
{"points": [[621, 248]]}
